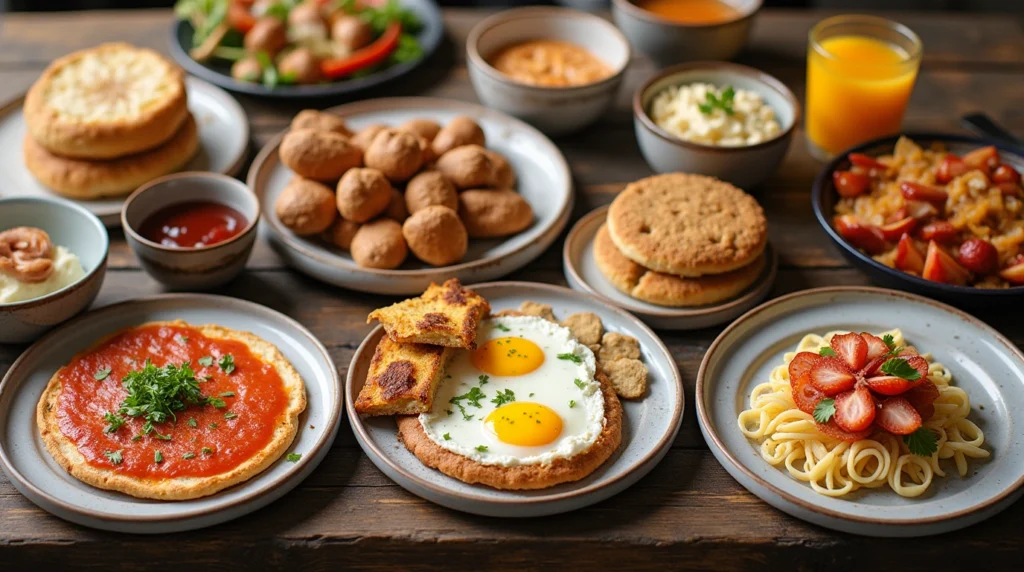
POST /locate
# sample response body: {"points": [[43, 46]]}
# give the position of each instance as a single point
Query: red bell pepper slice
{"points": [[239, 17], [375, 53]]}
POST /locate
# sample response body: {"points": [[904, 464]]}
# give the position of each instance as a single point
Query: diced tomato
{"points": [[894, 230], [862, 236], [855, 410], [833, 430], [922, 398], [908, 257], [940, 231], [1013, 274], [849, 184], [917, 192], [940, 267], [831, 376], [862, 160], [876, 347], [850, 348], [920, 210], [950, 168], [984, 159], [1005, 174], [979, 255], [897, 416]]}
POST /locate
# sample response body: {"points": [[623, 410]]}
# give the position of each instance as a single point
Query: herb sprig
{"points": [[723, 101]]}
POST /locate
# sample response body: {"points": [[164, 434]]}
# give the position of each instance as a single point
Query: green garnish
{"points": [[101, 374], [503, 397], [156, 393], [183, 339], [473, 396], [216, 402], [192, 422], [923, 442], [448, 411], [206, 451], [188, 456], [158, 457], [484, 379], [447, 437], [531, 394], [270, 77], [503, 327], [293, 457], [572, 403], [213, 425], [114, 422], [114, 456], [227, 363], [137, 437], [206, 361], [723, 101], [889, 341], [579, 383], [824, 410], [827, 352], [161, 436], [900, 368], [571, 357], [230, 415], [481, 448], [228, 394]]}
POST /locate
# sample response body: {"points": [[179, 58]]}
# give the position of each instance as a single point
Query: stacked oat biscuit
{"points": [[105, 120], [682, 240], [418, 187]]}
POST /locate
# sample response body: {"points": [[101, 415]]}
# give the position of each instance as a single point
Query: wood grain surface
{"points": [[688, 513]]}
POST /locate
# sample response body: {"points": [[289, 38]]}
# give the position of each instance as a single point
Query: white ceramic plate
{"points": [[582, 274], [649, 426], [223, 140], [983, 363], [37, 476], [544, 181]]}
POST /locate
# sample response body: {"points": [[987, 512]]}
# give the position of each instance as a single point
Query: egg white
{"points": [[552, 384]]}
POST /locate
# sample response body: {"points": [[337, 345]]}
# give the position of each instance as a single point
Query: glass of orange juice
{"points": [[860, 72]]}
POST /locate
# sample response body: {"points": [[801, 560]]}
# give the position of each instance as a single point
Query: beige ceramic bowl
{"points": [[667, 42], [191, 268], [553, 110]]}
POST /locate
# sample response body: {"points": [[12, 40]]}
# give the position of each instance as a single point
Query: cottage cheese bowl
{"points": [[714, 118]]}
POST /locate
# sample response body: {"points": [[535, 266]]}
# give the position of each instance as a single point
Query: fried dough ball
{"points": [[340, 233], [363, 194], [459, 131], [320, 121], [491, 213], [425, 128], [351, 32], [247, 69], [504, 175], [436, 235], [320, 155], [306, 207], [268, 34], [467, 167], [364, 137], [430, 188], [397, 211], [379, 244], [306, 14], [302, 64], [396, 154]]}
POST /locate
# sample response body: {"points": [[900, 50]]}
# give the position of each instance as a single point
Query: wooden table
{"points": [[688, 512]]}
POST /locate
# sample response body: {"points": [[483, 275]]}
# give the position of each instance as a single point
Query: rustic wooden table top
{"points": [[687, 512]]}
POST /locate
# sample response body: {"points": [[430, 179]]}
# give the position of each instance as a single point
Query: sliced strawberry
{"points": [[851, 348], [805, 395], [940, 267], [860, 235], [855, 410], [920, 364], [917, 192], [940, 231], [920, 210], [950, 168], [862, 160], [984, 159], [888, 384], [801, 364], [872, 367], [979, 255], [908, 351], [849, 184], [876, 346], [1013, 274], [908, 257], [922, 398], [897, 416], [1005, 174], [836, 432], [894, 230], [831, 375]]}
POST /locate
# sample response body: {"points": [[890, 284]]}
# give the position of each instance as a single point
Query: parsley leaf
{"points": [[162, 437], [213, 425], [137, 437], [723, 101], [503, 397], [473, 396], [827, 352], [481, 448], [293, 457], [156, 393], [230, 415], [579, 383], [503, 327], [572, 403], [923, 442], [206, 361], [824, 410], [890, 342], [207, 451], [227, 363], [901, 368], [447, 437], [571, 357], [228, 394], [188, 456], [115, 422], [192, 422], [484, 379], [114, 456], [101, 374], [216, 402], [158, 457]]}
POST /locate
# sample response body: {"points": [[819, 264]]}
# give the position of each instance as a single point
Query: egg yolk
{"points": [[507, 357], [524, 424]]}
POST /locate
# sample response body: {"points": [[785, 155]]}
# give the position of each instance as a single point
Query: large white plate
{"points": [[37, 476], [983, 363], [544, 181], [223, 140], [649, 425]]}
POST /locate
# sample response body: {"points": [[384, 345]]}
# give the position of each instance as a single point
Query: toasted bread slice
{"points": [[402, 378], [446, 315]]}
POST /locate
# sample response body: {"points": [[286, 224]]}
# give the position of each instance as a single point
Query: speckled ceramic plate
{"points": [[544, 181], [223, 140], [983, 363], [582, 273], [649, 424], [37, 476]]}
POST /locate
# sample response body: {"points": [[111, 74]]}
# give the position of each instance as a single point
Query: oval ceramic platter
{"points": [[649, 427], [223, 140], [37, 476], [983, 363], [544, 181], [582, 274]]}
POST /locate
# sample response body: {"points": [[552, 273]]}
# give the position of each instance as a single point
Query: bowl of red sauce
{"points": [[192, 231]]}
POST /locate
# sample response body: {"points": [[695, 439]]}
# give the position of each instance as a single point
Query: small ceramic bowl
{"points": [[72, 227], [746, 167], [553, 110], [668, 42], [199, 268]]}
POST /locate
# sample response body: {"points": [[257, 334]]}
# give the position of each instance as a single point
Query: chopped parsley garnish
{"points": [[158, 457], [188, 456], [824, 410], [448, 411], [206, 361], [230, 415], [723, 102], [114, 456], [572, 403], [293, 457], [473, 396], [161, 436], [502, 327], [114, 422], [923, 442], [481, 448], [531, 394], [571, 357], [227, 363], [101, 374], [579, 383], [192, 422], [137, 437], [827, 352], [447, 437], [901, 368], [484, 379], [503, 397], [889, 341], [206, 451], [228, 394], [183, 339], [156, 393], [213, 425]]}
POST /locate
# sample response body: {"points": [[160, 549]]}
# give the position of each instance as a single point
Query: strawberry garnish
{"points": [[836, 432], [888, 384], [851, 348], [922, 398], [801, 364], [831, 375], [805, 395], [897, 416], [876, 346], [919, 363], [855, 410]]}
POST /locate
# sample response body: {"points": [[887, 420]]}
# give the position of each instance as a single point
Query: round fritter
{"points": [[320, 121], [340, 233], [425, 128], [467, 167], [379, 244], [363, 193], [398, 155], [459, 131], [492, 213], [364, 137], [504, 174], [306, 206], [397, 211], [430, 188], [319, 155], [436, 235]]}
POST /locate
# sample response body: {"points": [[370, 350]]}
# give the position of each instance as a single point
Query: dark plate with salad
{"points": [[303, 48]]}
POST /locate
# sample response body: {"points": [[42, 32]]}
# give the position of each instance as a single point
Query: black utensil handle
{"points": [[984, 125]]}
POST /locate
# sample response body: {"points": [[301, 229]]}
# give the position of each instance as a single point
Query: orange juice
{"points": [[857, 89]]}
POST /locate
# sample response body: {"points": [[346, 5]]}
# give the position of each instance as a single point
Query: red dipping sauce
{"points": [[193, 224]]}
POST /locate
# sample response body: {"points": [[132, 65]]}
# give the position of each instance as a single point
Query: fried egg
{"points": [[526, 395]]}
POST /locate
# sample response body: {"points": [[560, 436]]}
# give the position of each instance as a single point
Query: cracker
{"points": [[585, 327], [540, 310], [628, 377], [616, 346]]}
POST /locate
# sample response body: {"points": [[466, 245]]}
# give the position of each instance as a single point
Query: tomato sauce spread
{"points": [[218, 440]]}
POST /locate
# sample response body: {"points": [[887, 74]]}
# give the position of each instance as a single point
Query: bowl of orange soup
{"points": [[555, 68], [676, 31]]}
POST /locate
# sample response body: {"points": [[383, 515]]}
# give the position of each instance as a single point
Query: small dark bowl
{"points": [[219, 73], [824, 196]]}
